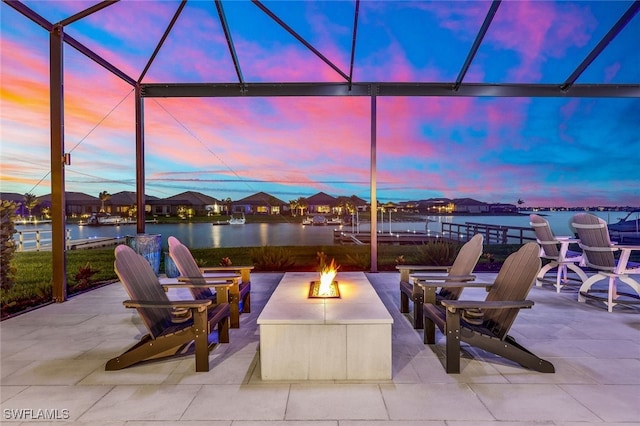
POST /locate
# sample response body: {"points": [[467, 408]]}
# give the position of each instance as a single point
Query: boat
{"points": [[319, 221], [237, 220], [626, 230], [334, 221], [105, 219]]}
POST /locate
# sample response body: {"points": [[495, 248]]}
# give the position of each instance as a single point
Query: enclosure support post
{"points": [[140, 183], [374, 200], [58, 204]]}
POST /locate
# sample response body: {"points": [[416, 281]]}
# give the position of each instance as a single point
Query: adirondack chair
{"points": [[460, 270], [600, 254], [171, 333], [507, 295], [556, 251], [239, 292]]}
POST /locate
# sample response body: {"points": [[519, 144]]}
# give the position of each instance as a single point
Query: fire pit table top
{"points": [[358, 302]]}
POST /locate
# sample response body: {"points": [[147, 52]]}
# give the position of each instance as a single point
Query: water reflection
{"points": [[204, 235]]}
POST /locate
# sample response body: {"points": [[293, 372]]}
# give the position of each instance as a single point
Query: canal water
{"points": [[204, 235]]}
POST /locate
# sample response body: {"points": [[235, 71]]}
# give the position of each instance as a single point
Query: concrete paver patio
{"points": [[52, 365]]}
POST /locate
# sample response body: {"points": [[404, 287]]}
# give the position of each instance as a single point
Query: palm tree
{"points": [[104, 196], [520, 202], [293, 205], [30, 201], [303, 204]]}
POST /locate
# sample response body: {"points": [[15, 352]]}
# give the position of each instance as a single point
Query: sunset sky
{"points": [[546, 151]]}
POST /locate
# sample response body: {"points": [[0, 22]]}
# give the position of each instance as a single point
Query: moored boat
{"points": [[105, 219], [237, 220], [626, 230]]}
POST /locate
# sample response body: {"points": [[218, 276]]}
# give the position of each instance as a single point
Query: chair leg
{"points": [[546, 268], [147, 349], [404, 303], [418, 301], [223, 330], [201, 340], [234, 307], [246, 303], [509, 349], [429, 330], [452, 333], [586, 285], [579, 272]]}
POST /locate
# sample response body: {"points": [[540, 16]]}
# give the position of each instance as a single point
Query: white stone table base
{"points": [[325, 339]]}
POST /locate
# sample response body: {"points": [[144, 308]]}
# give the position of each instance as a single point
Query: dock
{"points": [[493, 234], [395, 238]]}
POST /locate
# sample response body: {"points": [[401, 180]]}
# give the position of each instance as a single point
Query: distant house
{"points": [[260, 203], [435, 205], [188, 203], [121, 203], [322, 203], [78, 204], [469, 205], [503, 208]]}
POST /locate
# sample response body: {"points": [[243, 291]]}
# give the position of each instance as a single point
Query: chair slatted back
{"points": [[515, 279], [594, 241], [544, 236], [188, 267], [141, 284], [464, 263]]}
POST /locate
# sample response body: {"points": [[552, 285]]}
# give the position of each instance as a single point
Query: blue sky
{"points": [[546, 151]]}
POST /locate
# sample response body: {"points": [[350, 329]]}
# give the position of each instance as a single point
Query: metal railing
{"points": [[493, 234]]}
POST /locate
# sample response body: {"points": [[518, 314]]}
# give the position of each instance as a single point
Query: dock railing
{"points": [[40, 240], [493, 234], [37, 239]]}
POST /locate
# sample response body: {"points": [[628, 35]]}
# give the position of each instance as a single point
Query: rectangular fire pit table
{"points": [[325, 339]]}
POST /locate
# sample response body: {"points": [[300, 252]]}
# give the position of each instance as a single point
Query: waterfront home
{"points": [[260, 203]]}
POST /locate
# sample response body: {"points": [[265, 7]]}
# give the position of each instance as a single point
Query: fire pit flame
{"points": [[327, 286]]}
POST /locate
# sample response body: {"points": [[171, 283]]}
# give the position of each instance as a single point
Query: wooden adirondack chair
{"points": [[170, 332], [507, 295], [600, 254], [239, 292], [556, 251], [412, 287]]}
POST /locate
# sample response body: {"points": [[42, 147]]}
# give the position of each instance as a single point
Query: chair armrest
{"points": [[482, 304], [188, 284], [627, 247], [569, 240], [420, 277], [245, 271], [225, 268], [200, 305], [423, 267], [445, 284], [211, 280]]}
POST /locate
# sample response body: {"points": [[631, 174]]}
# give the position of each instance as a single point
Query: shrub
{"points": [[436, 252], [7, 243], [361, 261], [83, 279], [269, 258]]}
